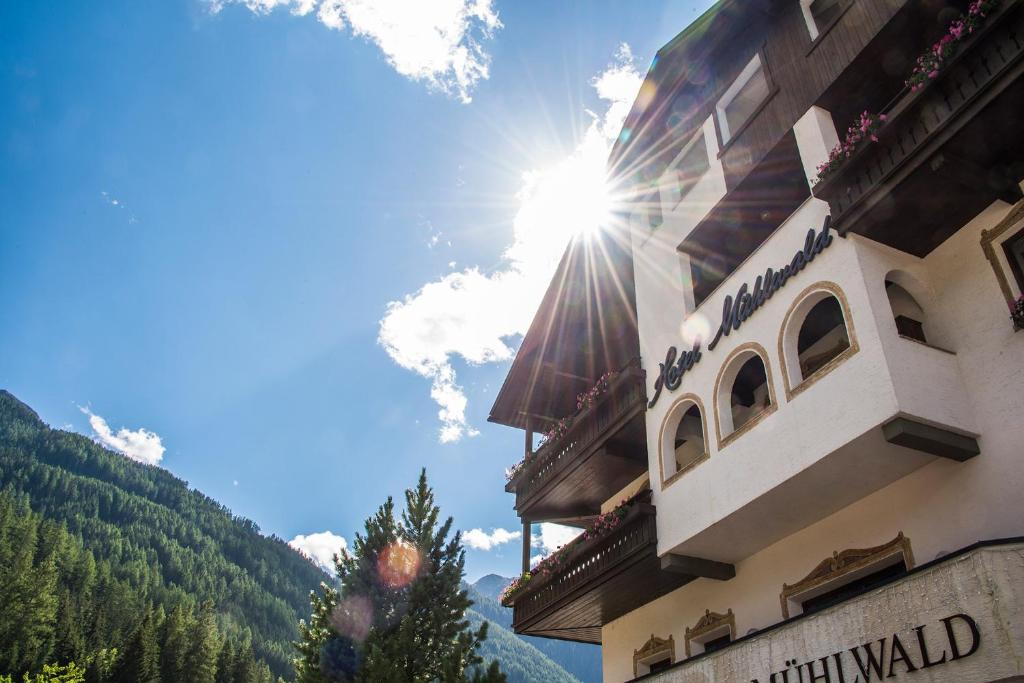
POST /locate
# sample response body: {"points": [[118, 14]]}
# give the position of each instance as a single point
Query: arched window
{"points": [[743, 392], [815, 332], [908, 314], [822, 337], [749, 391], [683, 443]]}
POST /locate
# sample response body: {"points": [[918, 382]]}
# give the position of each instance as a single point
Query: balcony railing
{"points": [[597, 581], [590, 430], [926, 137]]}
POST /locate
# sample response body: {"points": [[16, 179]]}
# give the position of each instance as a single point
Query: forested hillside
{"points": [[522, 657], [98, 552]]}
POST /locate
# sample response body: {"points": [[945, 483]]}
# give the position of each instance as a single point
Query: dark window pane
{"points": [[717, 643], [873, 580], [745, 102], [692, 166], [824, 12]]}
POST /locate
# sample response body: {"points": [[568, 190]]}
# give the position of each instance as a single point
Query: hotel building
{"points": [[783, 392]]}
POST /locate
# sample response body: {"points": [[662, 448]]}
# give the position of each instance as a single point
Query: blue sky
{"points": [[276, 241]]}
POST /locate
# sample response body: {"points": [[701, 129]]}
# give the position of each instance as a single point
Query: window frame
{"points": [[793, 380], [698, 137], [1016, 269], [722, 396], [669, 424], [741, 79], [817, 33]]}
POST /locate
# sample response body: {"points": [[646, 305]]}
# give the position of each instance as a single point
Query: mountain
{"points": [[579, 661], [118, 554]]}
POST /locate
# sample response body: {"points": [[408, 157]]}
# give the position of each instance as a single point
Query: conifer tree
{"points": [[226, 664], [174, 645], [140, 661], [399, 613], [204, 646]]}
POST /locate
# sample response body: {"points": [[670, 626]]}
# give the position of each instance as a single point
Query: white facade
{"points": [[814, 474]]}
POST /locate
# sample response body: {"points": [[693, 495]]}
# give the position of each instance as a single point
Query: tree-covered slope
{"points": [[520, 661], [165, 545], [580, 660]]}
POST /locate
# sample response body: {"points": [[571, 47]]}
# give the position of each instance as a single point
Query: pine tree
{"points": [[403, 581], [201, 661], [28, 609], [175, 644], [226, 664], [244, 666], [140, 661]]}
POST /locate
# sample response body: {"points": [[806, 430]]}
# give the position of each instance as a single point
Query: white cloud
{"points": [[551, 537], [477, 315], [438, 42], [478, 539], [140, 445], [320, 547]]}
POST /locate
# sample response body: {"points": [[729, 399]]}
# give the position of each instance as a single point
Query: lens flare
{"points": [[695, 328], [398, 564], [352, 617]]}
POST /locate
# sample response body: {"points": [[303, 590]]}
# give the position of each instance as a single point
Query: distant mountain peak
{"points": [[10, 403], [491, 585]]}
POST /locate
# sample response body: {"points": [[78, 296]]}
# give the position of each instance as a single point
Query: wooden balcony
{"points": [[947, 150], [599, 581], [603, 450]]}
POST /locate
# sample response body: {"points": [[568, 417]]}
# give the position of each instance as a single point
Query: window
{"points": [[875, 579], [822, 336], [816, 336], [742, 98], [652, 208], [712, 632], [717, 643], [689, 439], [820, 14], [744, 394], [749, 396], [657, 654], [683, 443], [1014, 248], [691, 165], [847, 573], [908, 314]]}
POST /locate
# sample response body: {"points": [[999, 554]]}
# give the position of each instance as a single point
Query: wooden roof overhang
{"points": [[585, 326]]}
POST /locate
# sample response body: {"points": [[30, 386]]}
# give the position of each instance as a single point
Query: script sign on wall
{"points": [[737, 309]]}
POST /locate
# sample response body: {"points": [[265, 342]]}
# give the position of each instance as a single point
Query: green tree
{"points": [[28, 603], [174, 644], [402, 584], [201, 662], [140, 661], [226, 664]]}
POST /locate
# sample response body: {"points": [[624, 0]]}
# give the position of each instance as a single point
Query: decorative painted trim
{"points": [[750, 424], [654, 646], [845, 562], [988, 237], [807, 382], [685, 398], [711, 621]]}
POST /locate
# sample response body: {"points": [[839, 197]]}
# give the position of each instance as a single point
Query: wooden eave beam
{"points": [[695, 566]]}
